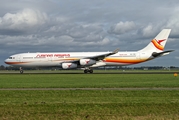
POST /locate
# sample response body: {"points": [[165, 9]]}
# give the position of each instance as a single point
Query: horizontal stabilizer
{"points": [[155, 54]]}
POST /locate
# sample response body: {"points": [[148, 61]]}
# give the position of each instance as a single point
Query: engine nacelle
{"points": [[87, 62], [69, 65]]}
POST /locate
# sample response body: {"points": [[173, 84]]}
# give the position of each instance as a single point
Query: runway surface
{"points": [[95, 72], [59, 89]]}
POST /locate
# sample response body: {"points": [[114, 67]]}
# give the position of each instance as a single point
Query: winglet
{"points": [[116, 51]]}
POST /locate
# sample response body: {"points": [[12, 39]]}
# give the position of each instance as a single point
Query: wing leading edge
{"points": [[101, 57], [96, 58]]}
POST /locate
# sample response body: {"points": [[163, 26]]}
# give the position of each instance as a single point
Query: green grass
{"points": [[79, 104], [89, 104], [87, 80]]}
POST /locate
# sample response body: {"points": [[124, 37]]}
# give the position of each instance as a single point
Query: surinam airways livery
{"points": [[89, 60]]}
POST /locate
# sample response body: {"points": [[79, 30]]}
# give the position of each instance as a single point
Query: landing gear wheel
{"points": [[90, 71], [86, 71], [21, 70]]}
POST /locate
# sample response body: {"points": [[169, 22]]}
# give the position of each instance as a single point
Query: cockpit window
{"points": [[10, 57]]}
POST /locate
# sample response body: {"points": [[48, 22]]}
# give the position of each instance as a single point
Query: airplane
{"points": [[88, 60]]}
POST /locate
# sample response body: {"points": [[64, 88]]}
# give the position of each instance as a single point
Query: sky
{"points": [[87, 25]]}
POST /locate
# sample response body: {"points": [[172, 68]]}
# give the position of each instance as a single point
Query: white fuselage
{"points": [[71, 60], [55, 59]]}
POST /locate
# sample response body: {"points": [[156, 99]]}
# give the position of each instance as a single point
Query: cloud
{"points": [[23, 20], [177, 57], [149, 31], [101, 25], [87, 32], [173, 23], [122, 27]]}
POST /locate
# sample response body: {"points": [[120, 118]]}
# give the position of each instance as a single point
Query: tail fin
{"points": [[158, 43]]}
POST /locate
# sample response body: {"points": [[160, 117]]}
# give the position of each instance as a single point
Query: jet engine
{"points": [[69, 65], [87, 62]]}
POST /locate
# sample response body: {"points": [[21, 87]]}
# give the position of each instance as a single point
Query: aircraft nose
{"points": [[6, 61]]}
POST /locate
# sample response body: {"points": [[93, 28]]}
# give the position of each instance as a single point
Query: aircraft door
{"points": [[138, 55], [19, 58]]}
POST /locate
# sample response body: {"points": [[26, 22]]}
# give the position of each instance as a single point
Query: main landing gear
{"points": [[88, 70], [21, 70]]}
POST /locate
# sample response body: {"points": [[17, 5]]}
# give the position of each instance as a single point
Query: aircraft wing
{"points": [[101, 57], [97, 57]]}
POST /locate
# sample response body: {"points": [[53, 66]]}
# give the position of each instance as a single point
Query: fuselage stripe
{"points": [[157, 45]]}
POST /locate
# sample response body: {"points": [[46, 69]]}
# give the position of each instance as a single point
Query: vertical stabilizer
{"points": [[158, 43]]}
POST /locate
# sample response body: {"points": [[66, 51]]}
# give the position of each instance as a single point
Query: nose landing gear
{"points": [[21, 70]]}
